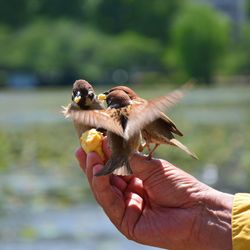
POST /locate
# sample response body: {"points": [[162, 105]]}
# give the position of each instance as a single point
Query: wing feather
{"points": [[144, 113], [139, 113], [170, 124], [95, 118]]}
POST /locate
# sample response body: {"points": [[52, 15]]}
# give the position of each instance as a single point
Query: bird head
{"points": [[132, 95], [83, 94], [117, 99]]}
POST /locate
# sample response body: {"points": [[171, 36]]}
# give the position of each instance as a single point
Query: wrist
{"points": [[216, 220], [221, 203]]}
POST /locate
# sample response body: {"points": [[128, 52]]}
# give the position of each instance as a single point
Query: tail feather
{"points": [[178, 144], [116, 165], [124, 170]]}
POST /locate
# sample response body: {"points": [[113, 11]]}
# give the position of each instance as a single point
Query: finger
{"points": [[118, 182], [81, 157], [134, 208], [112, 203], [136, 186], [127, 178], [92, 160]]}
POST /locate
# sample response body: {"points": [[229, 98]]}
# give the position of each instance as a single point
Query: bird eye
{"points": [[108, 101], [91, 95]]}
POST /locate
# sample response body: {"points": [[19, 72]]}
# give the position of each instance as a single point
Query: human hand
{"points": [[161, 205]]}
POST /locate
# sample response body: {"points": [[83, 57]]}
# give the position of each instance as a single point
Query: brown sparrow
{"points": [[83, 98], [122, 149], [160, 130]]}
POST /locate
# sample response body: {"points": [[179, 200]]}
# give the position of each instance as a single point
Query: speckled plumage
{"points": [[159, 131], [88, 101]]}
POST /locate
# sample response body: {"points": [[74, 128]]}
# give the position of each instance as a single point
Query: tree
{"points": [[9, 15], [200, 36], [60, 51], [73, 10], [148, 18]]}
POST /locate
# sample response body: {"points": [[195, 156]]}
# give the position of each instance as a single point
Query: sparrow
{"points": [[159, 131], [83, 98], [122, 149], [123, 119]]}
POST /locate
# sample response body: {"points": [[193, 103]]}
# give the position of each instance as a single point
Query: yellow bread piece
{"points": [[101, 97], [91, 141]]}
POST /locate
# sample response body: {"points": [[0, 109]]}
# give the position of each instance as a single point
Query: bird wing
{"points": [[170, 124], [144, 112], [107, 119]]}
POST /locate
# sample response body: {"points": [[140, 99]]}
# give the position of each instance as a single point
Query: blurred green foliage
{"points": [[34, 147], [64, 48], [200, 36], [5, 155], [244, 52], [64, 40], [149, 19]]}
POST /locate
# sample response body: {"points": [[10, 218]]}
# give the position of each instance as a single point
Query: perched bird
{"points": [[83, 98], [160, 130], [123, 119], [119, 104]]}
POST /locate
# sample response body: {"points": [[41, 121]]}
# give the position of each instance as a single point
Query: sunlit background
{"points": [[153, 46]]}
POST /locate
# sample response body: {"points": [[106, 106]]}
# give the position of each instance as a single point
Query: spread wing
{"points": [[107, 119], [142, 113], [169, 124]]}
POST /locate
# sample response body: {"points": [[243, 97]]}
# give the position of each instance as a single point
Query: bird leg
{"points": [[149, 157]]}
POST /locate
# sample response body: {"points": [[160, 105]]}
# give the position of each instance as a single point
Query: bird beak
{"points": [[101, 97], [77, 97]]}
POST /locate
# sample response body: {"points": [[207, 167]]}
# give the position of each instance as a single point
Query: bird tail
{"points": [[178, 144], [118, 165]]}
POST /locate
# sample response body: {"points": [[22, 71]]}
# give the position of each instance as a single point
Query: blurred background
{"points": [[154, 46]]}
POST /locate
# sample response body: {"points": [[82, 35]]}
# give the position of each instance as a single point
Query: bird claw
{"points": [[143, 146], [149, 157]]}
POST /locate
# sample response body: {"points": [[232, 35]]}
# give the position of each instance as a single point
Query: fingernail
{"points": [[97, 168], [78, 153]]}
